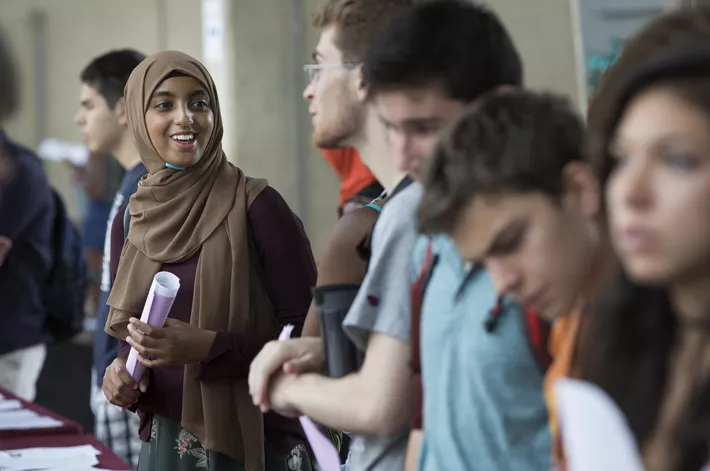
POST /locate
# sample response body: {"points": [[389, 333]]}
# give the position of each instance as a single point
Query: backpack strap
{"points": [[374, 206], [538, 333], [417, 297]]}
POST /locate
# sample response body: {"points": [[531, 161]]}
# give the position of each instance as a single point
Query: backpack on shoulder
{"points": [[65, 292]]}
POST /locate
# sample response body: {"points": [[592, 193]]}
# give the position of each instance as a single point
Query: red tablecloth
{"points": [[67, 427], [107, 460]]}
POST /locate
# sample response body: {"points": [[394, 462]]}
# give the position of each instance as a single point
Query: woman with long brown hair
{"points": [[245, 269], [646, 342]]}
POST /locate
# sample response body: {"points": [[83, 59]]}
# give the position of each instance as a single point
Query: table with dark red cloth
{"points": [[67, 426], [68, 434], [107, 460]]}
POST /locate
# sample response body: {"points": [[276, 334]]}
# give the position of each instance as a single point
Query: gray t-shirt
{"points": [[383, 306]]}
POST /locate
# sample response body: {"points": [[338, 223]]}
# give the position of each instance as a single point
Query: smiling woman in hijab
{"points": [[245, 267]]}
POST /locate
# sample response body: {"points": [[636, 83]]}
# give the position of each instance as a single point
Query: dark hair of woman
{"points": [[9, 85], [629, 333]]}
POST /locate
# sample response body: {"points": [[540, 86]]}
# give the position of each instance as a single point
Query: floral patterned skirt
{"points": [[173, 449]]}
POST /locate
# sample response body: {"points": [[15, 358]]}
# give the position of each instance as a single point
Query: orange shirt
{"points": [[354, 175], [562, 342]]}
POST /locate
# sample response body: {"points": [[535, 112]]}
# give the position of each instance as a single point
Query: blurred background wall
{"points": [[256, 50]]}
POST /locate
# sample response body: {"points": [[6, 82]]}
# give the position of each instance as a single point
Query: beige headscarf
{"points": [[174, 215]]}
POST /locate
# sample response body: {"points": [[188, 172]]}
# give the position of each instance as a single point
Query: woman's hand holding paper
{"points": [[176, 343], [119, 388]]}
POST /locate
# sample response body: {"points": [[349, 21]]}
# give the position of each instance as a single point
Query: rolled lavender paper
{"points": [[157, 307], [326, 455]]}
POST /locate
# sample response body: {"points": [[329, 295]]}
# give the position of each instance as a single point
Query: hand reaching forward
{"points": [[295, 356]]}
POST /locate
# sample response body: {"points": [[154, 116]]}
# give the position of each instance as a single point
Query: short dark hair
{"points": [[9, 80], [459, 45], [515, 142], [358, 23], [109, 73]]}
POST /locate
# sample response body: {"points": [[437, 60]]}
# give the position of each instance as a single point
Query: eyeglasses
{"points": [[313, 71]]}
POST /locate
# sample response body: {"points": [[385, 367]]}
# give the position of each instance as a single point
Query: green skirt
{"points": [[173, 449]]}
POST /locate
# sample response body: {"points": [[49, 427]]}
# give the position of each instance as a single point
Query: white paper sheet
{"points": [[9, 404], [86, 468], [595, 434], [23, 419], [55, 458]]}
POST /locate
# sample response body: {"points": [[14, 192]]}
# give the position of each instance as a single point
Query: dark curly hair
{"points": [[516, 141]]}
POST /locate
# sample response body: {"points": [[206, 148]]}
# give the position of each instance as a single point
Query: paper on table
{"points": [[10, 404], [78, 468], [324, 450], [595, 434], [24, 419], [156, 309], [48, 464], [64, 458], [52, 452]]}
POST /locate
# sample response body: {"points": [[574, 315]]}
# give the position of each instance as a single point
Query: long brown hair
{"points": [[629, 333]]}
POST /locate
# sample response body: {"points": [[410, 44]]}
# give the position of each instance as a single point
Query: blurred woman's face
{"points": [[659, 191], [180, 121]]}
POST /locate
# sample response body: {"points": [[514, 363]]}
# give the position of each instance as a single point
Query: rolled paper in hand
{"points": [[157, 307], [326, 454]]}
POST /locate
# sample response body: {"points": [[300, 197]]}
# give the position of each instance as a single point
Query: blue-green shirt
{"points": [[483, 392]]}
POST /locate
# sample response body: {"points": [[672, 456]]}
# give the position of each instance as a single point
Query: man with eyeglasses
{"points": [[343, 120], [358, 183], [336, 94]]}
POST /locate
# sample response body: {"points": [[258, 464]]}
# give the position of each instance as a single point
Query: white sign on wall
{"points": [[213, 37]]}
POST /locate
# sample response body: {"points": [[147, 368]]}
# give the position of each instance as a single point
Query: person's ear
{"points": [[581, 189], [360, 87], [120, 110]]}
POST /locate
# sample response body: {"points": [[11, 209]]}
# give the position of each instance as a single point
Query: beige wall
{"points": [[548, 37], [75, 31], [268, 115]]}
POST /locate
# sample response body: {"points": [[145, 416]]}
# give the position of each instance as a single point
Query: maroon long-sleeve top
{"points": [[288, 274]]}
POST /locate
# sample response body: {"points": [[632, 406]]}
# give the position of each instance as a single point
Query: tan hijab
{"points": [[175, 215]]}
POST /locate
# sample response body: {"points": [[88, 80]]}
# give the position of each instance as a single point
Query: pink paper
{"points": [[157, 307], [326, 454]]}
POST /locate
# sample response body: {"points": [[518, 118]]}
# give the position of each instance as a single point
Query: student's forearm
{"points": [[342, 404]]}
